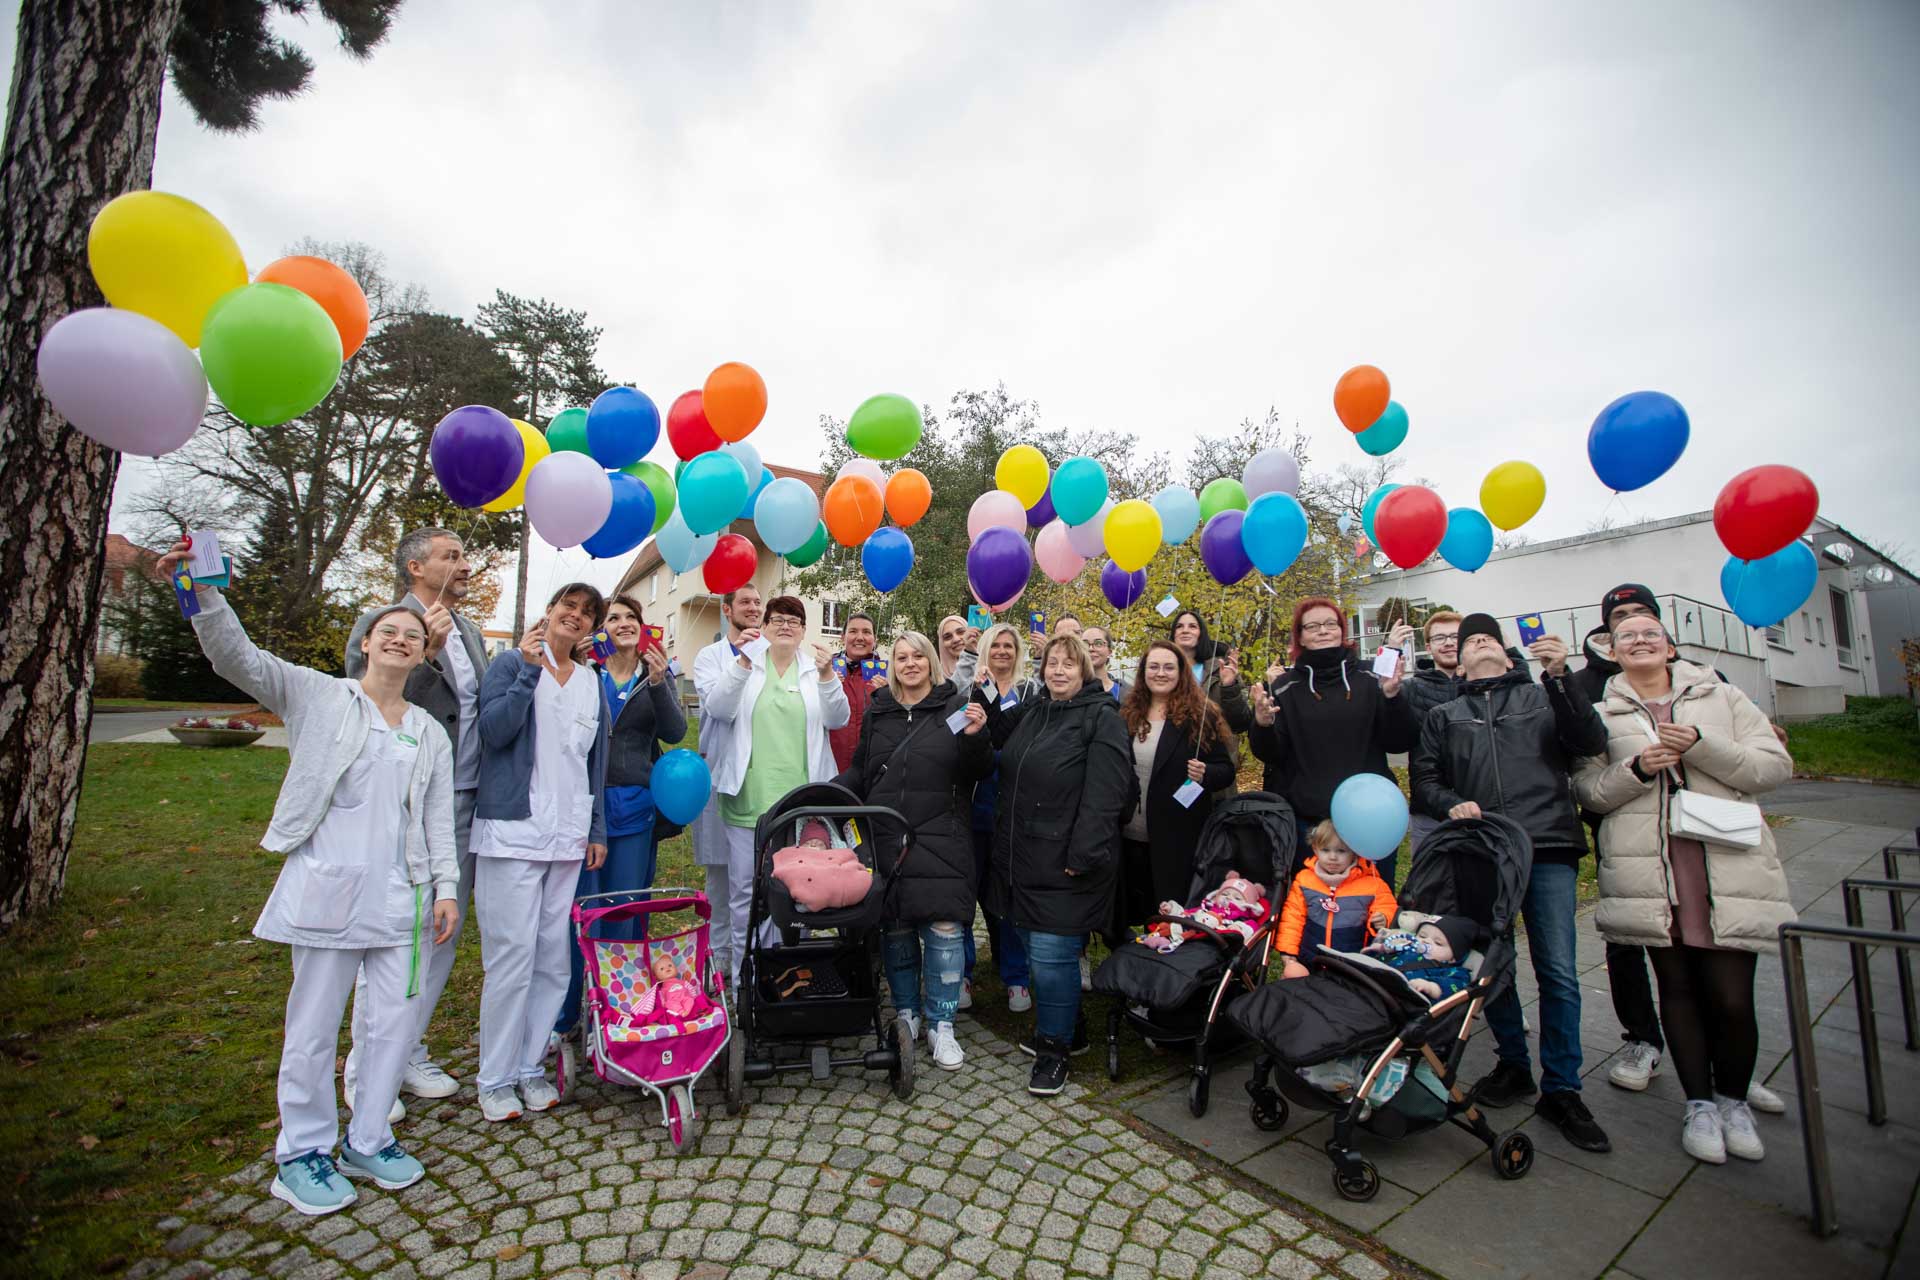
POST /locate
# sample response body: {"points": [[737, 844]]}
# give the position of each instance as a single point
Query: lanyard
{"points": [[413, 959]]}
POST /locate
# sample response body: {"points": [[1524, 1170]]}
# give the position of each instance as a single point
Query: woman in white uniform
{"points": [[370, 884], [538, 817]]}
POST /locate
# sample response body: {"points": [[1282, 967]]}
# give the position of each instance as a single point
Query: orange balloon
{"points": [[908, 496], [1360, 397], [852, 509], [735, 399], [337, 293]]}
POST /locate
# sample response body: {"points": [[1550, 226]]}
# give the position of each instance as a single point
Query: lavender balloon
{"points": [[1041, 513], [477, 455], [1221, 549], [1122, 588], [998, 565]]}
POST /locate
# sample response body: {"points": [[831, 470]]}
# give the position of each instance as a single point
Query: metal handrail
{"points": [[1896, 891], [1793, 968], [1902, 962]]}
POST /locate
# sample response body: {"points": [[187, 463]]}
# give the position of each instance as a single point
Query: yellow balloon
{"points": [[1512, 493], [1132, 533], [537, 448], [164, 257], [1022, 472]]}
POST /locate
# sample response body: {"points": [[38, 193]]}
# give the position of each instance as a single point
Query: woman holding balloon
{"points": [[1217, 671]]}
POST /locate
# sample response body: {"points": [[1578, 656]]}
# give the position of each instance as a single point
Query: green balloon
{"points": [[270, 352], [1224, 494], [884, 428], [660, 484], [812, 550], [568, 432]]}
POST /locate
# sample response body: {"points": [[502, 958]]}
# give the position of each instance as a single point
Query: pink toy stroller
{"points": [[627, 1040]]}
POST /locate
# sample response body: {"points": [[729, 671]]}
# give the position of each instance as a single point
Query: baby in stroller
{"points": [[818, 872], [1237, 906], [1430, 956]]}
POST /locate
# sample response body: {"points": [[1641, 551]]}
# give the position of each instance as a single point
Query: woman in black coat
{"points": [[1175, 736], [1064, 778], [911, 759]]}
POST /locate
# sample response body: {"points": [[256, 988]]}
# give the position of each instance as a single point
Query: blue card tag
{"points": [[183, 594], [1531, 627], [1037, 622], [978, 617], [602, 646], [839, 664], [1009, 702]]}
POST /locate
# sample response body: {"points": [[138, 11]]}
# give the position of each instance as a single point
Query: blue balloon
{"points": [[1274, 531], [887, 558], [680, 784], [1369, 813], [1765, 592], [753, 499], [680, 548], [1345, 522], [1079, 489], [1373, 505], [629, 520], [1041, 514], [622, 426], [786, 513], [1469, 539], [713, 488], [1636, 439], [1386, 433], [1179, 514]]}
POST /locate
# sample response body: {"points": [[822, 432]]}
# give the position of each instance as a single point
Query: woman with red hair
{"points": [[1329, 717]]}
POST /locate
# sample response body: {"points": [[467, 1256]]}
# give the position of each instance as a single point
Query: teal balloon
{"points": [[1373, 505], [713, 489], [1387, 433], [1767, 591], [815, 547], [1469, 539], [1179, 513], [1274, 532], [1079, 490], [786, 514], [680, 784]]}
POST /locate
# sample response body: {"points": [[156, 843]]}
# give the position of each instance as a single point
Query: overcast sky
{"points": [[1164, 218]]}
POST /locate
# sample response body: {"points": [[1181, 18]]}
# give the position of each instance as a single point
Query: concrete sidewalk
{"points": [[1646, 1211]]}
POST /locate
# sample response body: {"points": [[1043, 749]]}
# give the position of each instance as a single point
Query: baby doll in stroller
{"points": [[1238, 906]]}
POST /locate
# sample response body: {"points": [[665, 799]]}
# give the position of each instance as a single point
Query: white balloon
{"points": [[1271, 471], [123, 379], [568, 498], [1090, 539], [680, 547], [862, 467]]}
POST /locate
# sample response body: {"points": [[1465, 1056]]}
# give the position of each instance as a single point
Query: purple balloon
{"points": [[1122, 588], [1221, 550], [998, 565], [1041, 513], [476, 454]]}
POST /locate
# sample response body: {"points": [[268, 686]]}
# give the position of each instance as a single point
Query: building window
{"points": [[1806, 626], [1777, 637], [833, 617], [1820, 630], [1842, 626], [653, 588], [673, 581], [673, 627]]}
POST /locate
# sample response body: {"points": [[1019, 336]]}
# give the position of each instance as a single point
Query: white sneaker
{"points": [[395, 1114], [539, 1094], [1701, 1136], [966, 995], [1635, 1065], [913, 1023], [1019, 999], [1086, 973], [946, 1049], [500, 1104], [1765, 1100], [1737, 1132], [428, 1080]]}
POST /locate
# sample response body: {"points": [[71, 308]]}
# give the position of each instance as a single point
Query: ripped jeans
{"points": [[930, 987]]}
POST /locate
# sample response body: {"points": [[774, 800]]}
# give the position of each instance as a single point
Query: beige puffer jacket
{"points": [[1736, 758]]}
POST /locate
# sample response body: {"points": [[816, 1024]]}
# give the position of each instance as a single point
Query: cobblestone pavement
{"points": [[839, 1179]]}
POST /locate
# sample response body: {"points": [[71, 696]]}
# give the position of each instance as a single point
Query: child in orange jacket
{"points": [[1338, 900]]}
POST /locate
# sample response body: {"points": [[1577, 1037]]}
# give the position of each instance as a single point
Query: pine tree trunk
{"points": [[81, 122]]}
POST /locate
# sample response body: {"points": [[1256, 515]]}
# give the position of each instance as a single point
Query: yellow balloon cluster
{"points": [[536, 448], [1512, 494], [164, 257]]}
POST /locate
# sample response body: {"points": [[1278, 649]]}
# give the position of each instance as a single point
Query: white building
{"points": [[1844, 640]]}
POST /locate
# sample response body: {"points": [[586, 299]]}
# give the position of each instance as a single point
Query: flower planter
{"points": [[216, 737]]}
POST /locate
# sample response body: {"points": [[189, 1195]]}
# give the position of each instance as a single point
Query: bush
{"points": [[115, 675]]}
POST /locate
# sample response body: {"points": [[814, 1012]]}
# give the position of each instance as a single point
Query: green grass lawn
{"points": [[1874, 738]]}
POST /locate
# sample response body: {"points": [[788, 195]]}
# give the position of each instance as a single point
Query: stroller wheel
{"points": [[734, 1089], [1359, 1182], [1270, 1113], [1197, 1092], [1514, 1156], [683, 1127], [1113, 1044], [901, 1073], [566, 1068]]}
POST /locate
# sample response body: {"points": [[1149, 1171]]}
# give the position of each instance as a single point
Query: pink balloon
{"points": [[1054, 550], [865, 467], [127, 381], [994, 509]]}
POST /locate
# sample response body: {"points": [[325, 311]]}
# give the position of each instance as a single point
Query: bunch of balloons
{"points": [[270, 349], [862, 495], [1362, 401], [1760, 516]]}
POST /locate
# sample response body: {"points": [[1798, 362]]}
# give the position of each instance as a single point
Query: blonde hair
{"points": [[1325, 837], [925, 648], [1075, 646], [993, 633]]}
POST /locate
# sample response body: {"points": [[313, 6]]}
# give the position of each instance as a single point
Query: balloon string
{"points": [[461, 534]]}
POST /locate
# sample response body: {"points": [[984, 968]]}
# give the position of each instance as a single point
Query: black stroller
{"points": [[1175, 997], [1354, 1004], [815, 982]]}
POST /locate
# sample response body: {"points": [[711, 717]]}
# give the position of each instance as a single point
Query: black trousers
{"points": [[1633, 994]]}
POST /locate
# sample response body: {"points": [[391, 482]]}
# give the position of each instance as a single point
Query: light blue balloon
{"points": [[1373, 505], [1387, 431], [1179, 514], [680, 548], [1345, 522], [746, 455], [1369, 813], [680, 783], [713, 488], [1469, 539], [1274, 532], [753, 499], [785, 515], [1079, 489], [1765, 592]]}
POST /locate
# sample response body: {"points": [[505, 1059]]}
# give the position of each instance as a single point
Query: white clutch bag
{"points": [[1711, 820]]}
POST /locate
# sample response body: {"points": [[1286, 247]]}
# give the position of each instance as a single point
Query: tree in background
{"points": [[82, 116]]}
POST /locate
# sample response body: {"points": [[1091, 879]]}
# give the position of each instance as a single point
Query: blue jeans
{"points": [[1054, 959], [1551, 897], [929, 987], [1009, 953], [629, 865]]}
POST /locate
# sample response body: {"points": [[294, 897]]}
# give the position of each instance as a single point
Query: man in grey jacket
{"points": [[431, 573]]}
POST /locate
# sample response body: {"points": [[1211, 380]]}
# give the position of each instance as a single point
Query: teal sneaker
{"points": [[391, 1169], [313, 1185]]}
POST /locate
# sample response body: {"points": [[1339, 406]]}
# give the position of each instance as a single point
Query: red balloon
{"points": [[1410, 524], [730, 565], [687, 428], [1763, 509]]}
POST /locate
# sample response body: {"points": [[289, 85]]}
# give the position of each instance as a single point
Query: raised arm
{"points": [[276, 683], [506, 699]]}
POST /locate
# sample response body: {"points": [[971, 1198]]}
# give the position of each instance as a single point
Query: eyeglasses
{"points": [[1098, 644], [1639, 637], [1445, 637], [395, 633], [1163, 669], [785, 621], [1325, 624]]}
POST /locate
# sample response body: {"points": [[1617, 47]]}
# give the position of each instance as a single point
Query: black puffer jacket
{"points": [[1427, 688], [930, 783], [1065, 773], [1331, 721], [1509, 745], [1590, 681]]}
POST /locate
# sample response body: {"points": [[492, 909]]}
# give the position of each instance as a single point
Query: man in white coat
{"points": [[742, 610]]}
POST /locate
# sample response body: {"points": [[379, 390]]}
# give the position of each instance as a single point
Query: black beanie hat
{"points": [[1479, 624], [1626, 593], [1460, 932]]}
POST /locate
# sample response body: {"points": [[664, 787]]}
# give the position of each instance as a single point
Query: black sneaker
{"points": [[1049, 1069], [1505, 1085], [1079, 1046], [1564, 1110]]}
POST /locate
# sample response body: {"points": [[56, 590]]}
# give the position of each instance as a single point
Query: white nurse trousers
{"points": [[524, 907], [323, 977]]}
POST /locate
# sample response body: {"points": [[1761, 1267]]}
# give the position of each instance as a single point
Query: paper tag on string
{"points": [[205, 562], [1166, 607], [756, 649], [1386, 663], [957, 722], [1189, 792]]}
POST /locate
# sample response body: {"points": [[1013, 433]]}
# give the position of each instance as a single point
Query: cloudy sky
{"points": [[1166, 217]]}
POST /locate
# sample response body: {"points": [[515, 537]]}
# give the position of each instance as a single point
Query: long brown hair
{"points": [[1188, 709]]}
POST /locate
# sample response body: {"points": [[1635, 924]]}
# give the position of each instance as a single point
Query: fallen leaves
{"points": [[510, 1252], [88, 1142]]}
